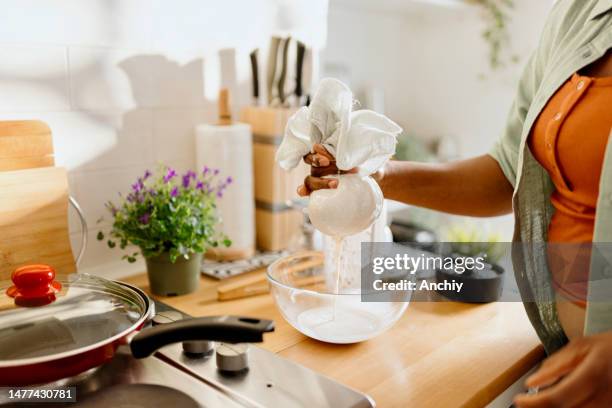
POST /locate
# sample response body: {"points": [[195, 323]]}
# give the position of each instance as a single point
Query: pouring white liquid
{"points": [[339, 241], [342, 318], [345, 211], [358, 139], [349, 209]]}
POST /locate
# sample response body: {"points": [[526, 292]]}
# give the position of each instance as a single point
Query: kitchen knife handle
{"points": [[272, 62], [227, 329], [255, 72], [301, 50], [283, 73]]}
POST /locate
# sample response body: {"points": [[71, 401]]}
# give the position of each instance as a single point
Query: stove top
{"points": [[173, 378]]}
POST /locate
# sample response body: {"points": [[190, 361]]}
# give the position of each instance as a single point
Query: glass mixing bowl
{"points": [[307, 298]]}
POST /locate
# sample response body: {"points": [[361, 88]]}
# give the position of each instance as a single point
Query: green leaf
{"points": [[111, 244], [227, 242], [100, 236]]}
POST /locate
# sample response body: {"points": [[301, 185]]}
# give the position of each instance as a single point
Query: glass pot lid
{"points": [[43, 317]]}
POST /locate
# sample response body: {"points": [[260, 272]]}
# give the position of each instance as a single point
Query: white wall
{"points": [[428, 58], [122, 83], [448, 93], [365, 48]]}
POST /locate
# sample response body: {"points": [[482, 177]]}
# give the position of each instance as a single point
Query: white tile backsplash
{"points": [[237, 24], [110, 23], [131, 136], [177, 84], [122, 85], [174, 132], [102, 78], [33, 78]]}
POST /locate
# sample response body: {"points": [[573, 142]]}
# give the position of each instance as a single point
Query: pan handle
{"points": [[228, 329]]}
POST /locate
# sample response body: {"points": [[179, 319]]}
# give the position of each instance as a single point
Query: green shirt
{"points": [[577, 33]]}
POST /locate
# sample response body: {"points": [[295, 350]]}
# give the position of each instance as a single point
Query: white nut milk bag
{"points": [[360, 139]]}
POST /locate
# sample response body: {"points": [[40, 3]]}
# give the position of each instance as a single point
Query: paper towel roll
{"points": [[229, 148]]}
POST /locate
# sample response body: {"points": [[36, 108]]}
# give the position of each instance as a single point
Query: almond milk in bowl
{"points": [[310, 300]]}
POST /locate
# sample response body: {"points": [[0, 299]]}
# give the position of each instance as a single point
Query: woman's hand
{"points": [[475, 187], [581, 373], [322, 163]]}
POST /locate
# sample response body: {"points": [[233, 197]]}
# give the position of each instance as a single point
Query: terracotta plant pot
{"points": [[174, 279]]}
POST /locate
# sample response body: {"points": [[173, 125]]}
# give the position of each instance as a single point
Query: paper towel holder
{"points": [[225, 113]]}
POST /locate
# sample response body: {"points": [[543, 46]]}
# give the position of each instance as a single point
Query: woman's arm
{"points": [[476, 187]]}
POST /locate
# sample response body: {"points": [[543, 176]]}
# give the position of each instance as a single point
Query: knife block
{"points": [[275, 222]]}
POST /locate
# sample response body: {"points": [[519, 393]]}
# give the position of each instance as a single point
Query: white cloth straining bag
{"points": [[362, 139]]}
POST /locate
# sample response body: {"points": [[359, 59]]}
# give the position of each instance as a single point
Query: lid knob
{"points": [[34, 285]]}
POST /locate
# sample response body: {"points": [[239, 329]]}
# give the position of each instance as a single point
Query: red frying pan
{"points": [[53, 329]]}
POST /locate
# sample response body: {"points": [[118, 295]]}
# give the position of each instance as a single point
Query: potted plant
{"points": [[173, 220]]}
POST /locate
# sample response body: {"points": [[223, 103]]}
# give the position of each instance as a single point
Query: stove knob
{"points": [[232, 358], [198, 348]]}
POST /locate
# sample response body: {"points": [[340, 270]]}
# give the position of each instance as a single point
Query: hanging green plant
{"points": [[497, 16]]}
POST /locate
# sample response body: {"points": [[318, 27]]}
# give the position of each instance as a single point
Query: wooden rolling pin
{"points": [[256, 282]]}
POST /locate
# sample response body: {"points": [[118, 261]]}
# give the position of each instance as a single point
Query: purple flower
{"points": [[169, 175], [205, 170], [138, 186], [200, 185], [220, 193], [152, 192], [216, 171], [147, 174], [174, 192], [144, 218], [229, 180], [186, 180]]}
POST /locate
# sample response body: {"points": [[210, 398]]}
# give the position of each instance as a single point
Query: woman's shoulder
{"points": [[569, 24], [572, 15]]}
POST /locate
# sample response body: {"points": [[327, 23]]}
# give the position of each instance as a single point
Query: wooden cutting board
{"points": [[25, 144], [34, 220], [33, 200]]}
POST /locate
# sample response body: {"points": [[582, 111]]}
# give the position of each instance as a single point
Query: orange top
{"points": [[569, 140]]}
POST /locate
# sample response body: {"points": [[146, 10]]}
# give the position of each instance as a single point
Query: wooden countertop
{"points": [[440, 354]]}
